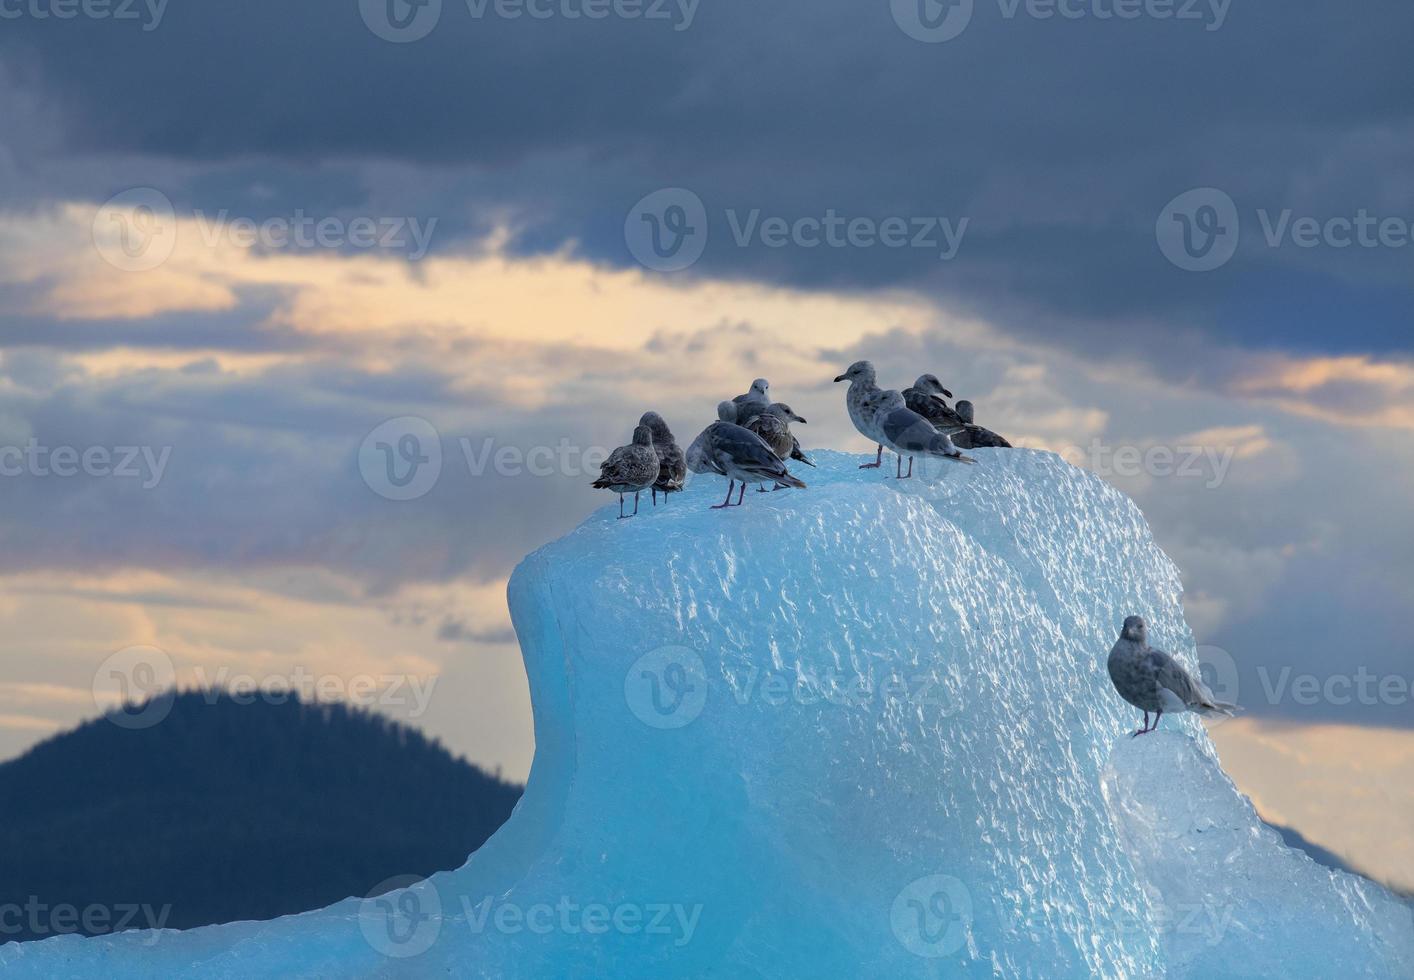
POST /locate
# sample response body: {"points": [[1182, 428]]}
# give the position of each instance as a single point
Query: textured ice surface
{"points": [[860, 730]]}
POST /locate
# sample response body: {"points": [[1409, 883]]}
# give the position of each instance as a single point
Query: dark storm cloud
{"points": [[1060, 141]]}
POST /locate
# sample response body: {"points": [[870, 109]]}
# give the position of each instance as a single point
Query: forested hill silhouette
{"points": [[227, 811]]}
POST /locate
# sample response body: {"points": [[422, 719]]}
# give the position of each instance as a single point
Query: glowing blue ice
{"points": [[863, 729]]}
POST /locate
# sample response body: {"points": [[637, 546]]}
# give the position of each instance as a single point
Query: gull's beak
{"points": [[947, 393], [840, 378], [797, 418]]}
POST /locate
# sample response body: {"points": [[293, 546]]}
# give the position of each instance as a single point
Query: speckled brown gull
{"points": [[1153, 681], [630, 469]]}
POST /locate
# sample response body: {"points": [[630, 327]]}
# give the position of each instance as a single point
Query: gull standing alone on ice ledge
{"points": [[630, 469], [1151, 680], [737, 453]]}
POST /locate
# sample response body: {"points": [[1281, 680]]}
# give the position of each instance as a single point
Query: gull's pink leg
{"points": [[741, 494], [731, 484], [1141, 731], [878, 461]]}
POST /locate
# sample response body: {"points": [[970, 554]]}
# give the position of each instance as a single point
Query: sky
{"points": [[242, 245]]}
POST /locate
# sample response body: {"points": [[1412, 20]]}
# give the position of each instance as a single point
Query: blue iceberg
{"points": [[863, 729]]}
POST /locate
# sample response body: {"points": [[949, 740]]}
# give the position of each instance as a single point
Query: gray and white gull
{"points": [[909, 434], [737, 453], [862, 401], [753, 403]]}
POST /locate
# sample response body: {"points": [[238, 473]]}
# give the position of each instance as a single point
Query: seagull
{"points": [[924, 398], [630, 469], [974, 436], [1151, 680], [672, 468], [737, 453], [909, 434], [773, 426], [861, 401], [753, 403]]}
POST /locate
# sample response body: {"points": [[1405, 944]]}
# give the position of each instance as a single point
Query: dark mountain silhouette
{"points": [[227, 811], [1321, 855]]}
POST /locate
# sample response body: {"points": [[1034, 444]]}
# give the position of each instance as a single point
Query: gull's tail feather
{"points": [[1217, 709], [791, 481]]}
